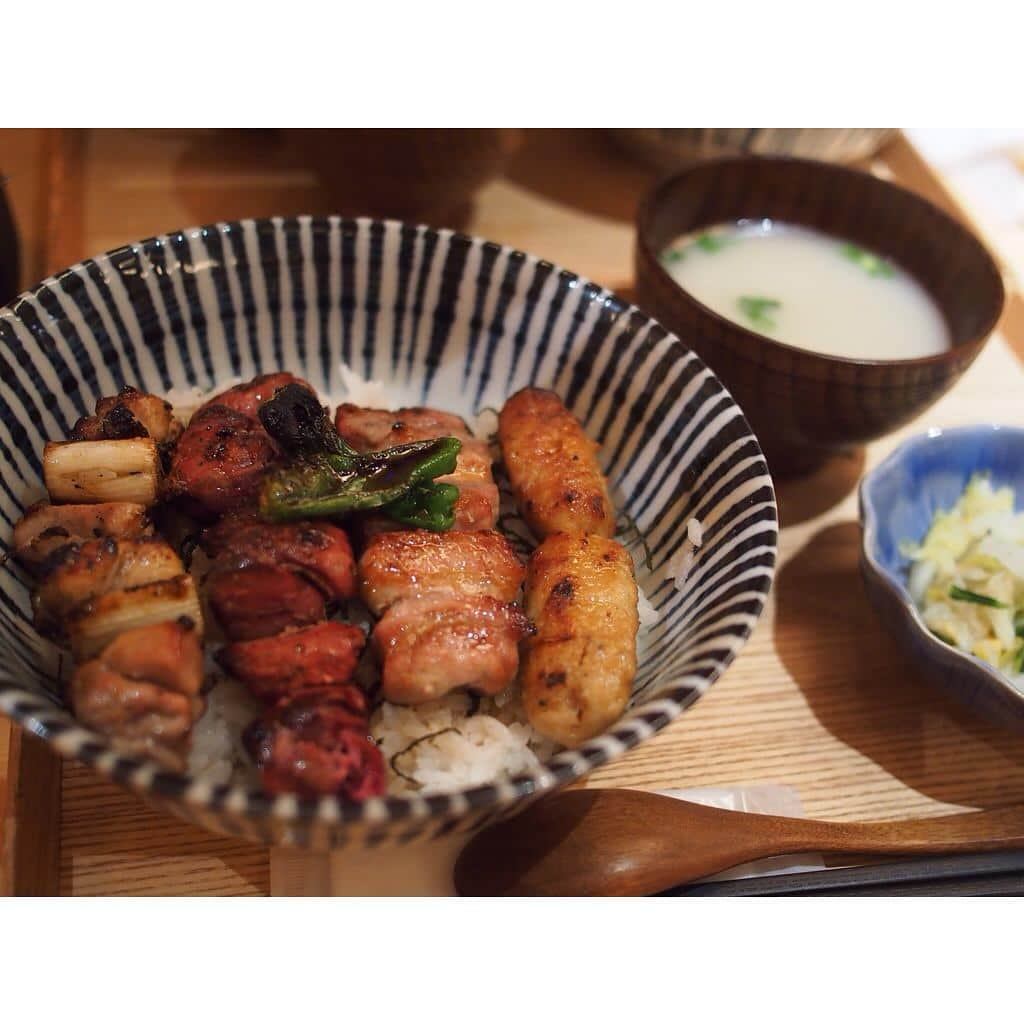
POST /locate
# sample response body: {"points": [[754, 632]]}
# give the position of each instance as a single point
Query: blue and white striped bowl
{"points": [[446, 320]]}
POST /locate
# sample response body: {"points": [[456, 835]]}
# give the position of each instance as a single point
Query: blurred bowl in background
{"points": [[419, 175], [672, 148]]}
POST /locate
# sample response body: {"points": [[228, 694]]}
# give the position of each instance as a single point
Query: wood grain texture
{"points": [[42, 171], [820, 699]]}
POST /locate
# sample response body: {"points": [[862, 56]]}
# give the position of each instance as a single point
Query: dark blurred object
{"points": [[671, 148], [10, 267], [427, 175]]}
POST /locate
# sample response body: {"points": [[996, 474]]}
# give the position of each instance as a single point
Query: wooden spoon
{"points": [[624, 842]]}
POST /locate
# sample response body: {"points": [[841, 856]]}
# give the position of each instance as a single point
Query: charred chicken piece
{"points": [[430, 645], [130, 413], [219, 462], [143, 689], [44, 528], [247, 398], [369, 430], [414, 563], [298, 659], [317, 743], [261, 600], [82, 572], [316, 549]]}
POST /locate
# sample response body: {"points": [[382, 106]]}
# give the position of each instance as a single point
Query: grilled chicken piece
{"points": [[247, 398], [298, 659], [317, 743], [44, 528], [130, 413], [82, 572], [413, 563], [369, 430], [430, 645], [262, 600], [169, 654], [578, 669], [553, 467], [219, 462], [143, 690], [314, 548]]}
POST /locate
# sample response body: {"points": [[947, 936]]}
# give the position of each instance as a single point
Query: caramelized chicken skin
{"points": [[219, 462], [130, 413], [45, 528], [430, 645], [579, 666], [262, 600], [413, 563], [553, 467], [317, 549], [369, 430], [274, 667], [317, 743]]}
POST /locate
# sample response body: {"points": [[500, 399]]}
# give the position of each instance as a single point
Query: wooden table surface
{"points": [[820, 698]]}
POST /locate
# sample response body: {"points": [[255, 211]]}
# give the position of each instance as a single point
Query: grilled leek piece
{"points": [[96, 623], [98, 471]]}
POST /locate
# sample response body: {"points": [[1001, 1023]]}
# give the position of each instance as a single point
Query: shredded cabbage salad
{"points": [[967, 576]]}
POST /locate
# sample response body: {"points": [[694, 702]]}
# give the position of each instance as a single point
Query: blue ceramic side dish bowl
{"points": [[898, 500]]}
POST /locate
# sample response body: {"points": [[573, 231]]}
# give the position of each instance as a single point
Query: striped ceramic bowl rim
{"points": [[451, 319]]}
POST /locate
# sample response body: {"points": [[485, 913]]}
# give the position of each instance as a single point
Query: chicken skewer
{"points": [[581, 592], [269, 587], [111, 590]]}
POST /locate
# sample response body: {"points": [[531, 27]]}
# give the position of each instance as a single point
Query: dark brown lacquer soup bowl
{"points": [[804, 406]]}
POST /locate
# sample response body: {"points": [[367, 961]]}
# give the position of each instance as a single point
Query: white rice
{"points": [[217, 755], [649, 616], [444, 745], [681, 562]]}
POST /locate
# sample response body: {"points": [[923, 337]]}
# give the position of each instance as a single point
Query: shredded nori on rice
{"points": [[415, 743]]}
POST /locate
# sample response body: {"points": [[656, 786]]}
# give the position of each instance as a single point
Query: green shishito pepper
{"points": [[327, 478]]}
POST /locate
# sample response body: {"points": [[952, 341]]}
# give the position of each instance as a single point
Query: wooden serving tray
{"points": [[820, 699]]}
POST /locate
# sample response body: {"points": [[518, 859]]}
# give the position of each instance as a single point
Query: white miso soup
{"points": [[810, 290]]}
